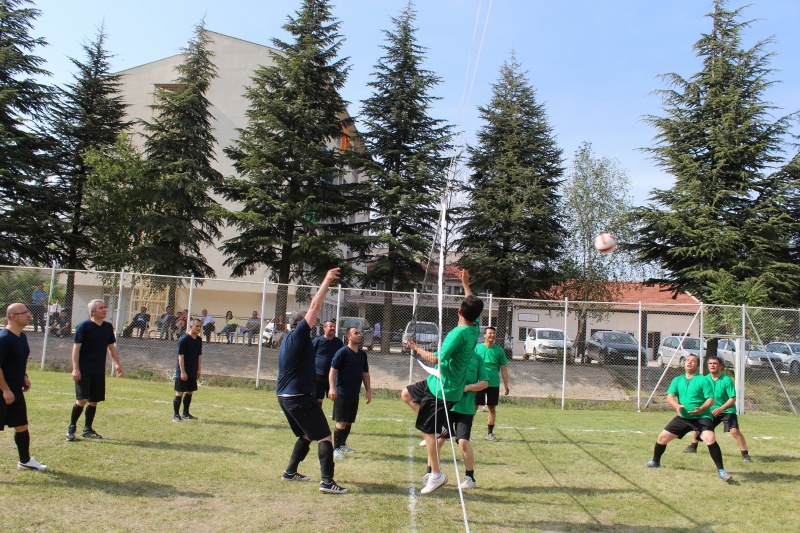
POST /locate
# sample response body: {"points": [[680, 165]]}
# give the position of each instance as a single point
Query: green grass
{"points": [[578, 470]]}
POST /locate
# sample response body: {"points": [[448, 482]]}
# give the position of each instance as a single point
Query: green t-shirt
{"points": [[476, 371], [454, 359], [724, 390], [692, 393], [493, 358]]}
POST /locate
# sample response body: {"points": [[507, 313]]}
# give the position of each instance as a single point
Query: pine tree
{"points": [[295, 202], [28, 219], [179, 149], [407, 162], [90, 114], [718, 140]]}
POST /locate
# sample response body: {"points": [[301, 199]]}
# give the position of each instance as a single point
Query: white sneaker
{"points": [[434, 483], [32, 464], [425, 479], [337, 454], [423, 443], [467, 483], [347, 449]]}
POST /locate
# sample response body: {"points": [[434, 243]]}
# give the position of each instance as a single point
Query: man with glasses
{"points": [[14, 382], [349, 369]]}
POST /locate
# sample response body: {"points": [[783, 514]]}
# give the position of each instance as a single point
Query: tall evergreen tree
{"points": [[295, 204], [27, 210], [179, 149], [407, 162], [718, 140], [90, 114], [512, 232]]}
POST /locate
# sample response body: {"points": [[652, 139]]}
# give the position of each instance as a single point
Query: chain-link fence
{"points": [[559, 350]]}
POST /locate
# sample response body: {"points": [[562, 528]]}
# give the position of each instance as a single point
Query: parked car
{"points": [[789, 352], [613, 347], [367, 330], [673, 352], [756, 355], [545, 343], [425, 334]]}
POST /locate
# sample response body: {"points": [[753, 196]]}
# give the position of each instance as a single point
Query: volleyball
{"points": [[605, 242]]}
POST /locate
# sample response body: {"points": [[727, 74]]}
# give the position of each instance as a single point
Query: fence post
{"points": [[261, 331], [740, 361], [564, 358], [702, 338], [410, 356], [489, 323], [119, 301], [639, 365], [338, 307], [47, 314], [191, 298]]}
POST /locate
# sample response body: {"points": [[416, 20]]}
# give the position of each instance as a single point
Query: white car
{"points": [[544, 343], [425, 334], [756, 355], [673, 352], [789, 352]]}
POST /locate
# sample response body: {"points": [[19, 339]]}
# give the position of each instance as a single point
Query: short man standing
{"points": [[724, 408], [94, 338], [325, 348], [692, 396], [430, 399], [187, 370], [14, 382], [349, 369], [295, 388], [38, 307], [494, 357]]}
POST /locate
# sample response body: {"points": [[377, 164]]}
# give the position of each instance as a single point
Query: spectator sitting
{"points": [[251, 327], [209, 325], [140, 321], [61, 326], [230, 326], [279, 330], [179, 326], [165, 324]]}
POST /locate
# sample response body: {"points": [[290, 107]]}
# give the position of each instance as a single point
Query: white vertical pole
{"points": [[338, 307], [489, 323], [702, 338], [411, 357], [119, 301], [47, 314], [639, 364], [191, 299], [564, 359], [261, 331], [740, 367]]}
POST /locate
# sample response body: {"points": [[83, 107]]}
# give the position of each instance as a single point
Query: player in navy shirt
{"points": [[325, 347], [187, 369], [14, 352], [94, 338], [295, 388], [349, 369]]}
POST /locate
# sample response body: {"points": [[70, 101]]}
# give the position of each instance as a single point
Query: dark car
{"points": [[613, 347]]}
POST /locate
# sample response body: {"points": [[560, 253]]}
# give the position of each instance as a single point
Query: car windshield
{"points": [[423, 328], [691, 344], [795, 348], [551, 335], [751, 347], [618, 338], [352, 323]]}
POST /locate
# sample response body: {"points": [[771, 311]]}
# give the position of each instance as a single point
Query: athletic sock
{"points": [[325, 451], [346, 433], [744, 452], [716, 455], [428, 469], [337, 437], [491, 428], [176, 404], [187, 400], [77, 411], [658, 451], [471, 473], [23, 442], [91, 410], [298, 454]]}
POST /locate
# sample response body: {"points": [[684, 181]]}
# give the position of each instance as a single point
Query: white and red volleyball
{"points": [[605, 243]]}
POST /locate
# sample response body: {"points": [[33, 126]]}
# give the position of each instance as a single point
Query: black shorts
{"points": [[3, 409], [681, 426], [345, 409], [432, 417], [323, 386], [461, 425], [488, 396], [91, 387], [730, 420], [190, 385], [305, 416], [17, 414]]}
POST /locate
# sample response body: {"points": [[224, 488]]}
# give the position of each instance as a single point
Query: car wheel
{"points": [[533, 355], [602, 358], [794, 368], [682, 362], [660, 361]]}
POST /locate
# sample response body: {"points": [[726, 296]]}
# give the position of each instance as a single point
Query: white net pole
{"points": [[261, 331]]}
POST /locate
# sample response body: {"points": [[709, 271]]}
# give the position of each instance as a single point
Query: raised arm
{"points": [[464, 275], [316, 302]]}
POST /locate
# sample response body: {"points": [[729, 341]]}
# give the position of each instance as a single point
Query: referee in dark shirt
{"points": [[296, 386], [14, 352], [93, 339], [325, 348], [187, 369], [349, 369]]}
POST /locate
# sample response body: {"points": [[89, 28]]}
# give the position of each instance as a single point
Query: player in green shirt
{"points": [[724, 408], [496, 363], [692, 396], [430, 400]]}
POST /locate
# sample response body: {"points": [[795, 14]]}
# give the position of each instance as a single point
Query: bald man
{"points": [[14, 352]]}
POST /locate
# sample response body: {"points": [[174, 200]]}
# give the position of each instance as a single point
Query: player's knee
{"points": [[708, 437], [735, 432], [82, 402]]}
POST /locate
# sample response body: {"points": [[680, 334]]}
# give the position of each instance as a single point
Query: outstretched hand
{"points": [[463, 275], [333, 274]]}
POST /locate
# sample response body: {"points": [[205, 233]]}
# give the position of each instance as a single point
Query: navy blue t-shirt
{"points": [[326, 349], [94, 341], [351, 367], [14, 352], [296, 362], [191, 349]]}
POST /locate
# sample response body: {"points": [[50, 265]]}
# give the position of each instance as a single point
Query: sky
{"points": [[594, 64]]}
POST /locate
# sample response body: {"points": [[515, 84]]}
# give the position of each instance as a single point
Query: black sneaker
{"points": [[70, 433], [89, 433], [331, 487], [187, 416], [293, 477], [177, 418], [746, 458], [690, 449]]}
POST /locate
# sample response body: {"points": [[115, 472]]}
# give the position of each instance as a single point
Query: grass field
{"points": [[577, 470]]}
